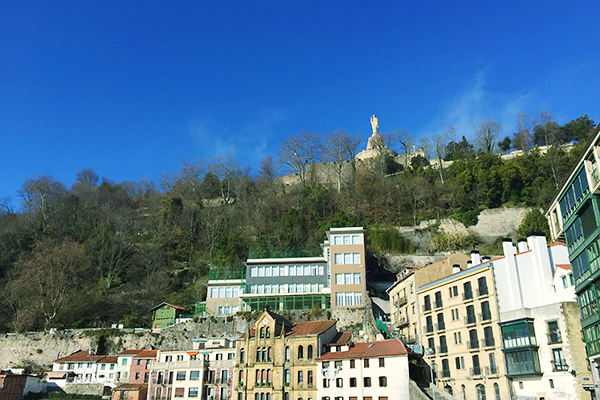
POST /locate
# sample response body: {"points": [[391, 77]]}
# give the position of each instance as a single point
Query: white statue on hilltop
{"points": [[375, 124]]}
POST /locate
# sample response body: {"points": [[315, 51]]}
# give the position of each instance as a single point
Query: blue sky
{"points": [[130, 89]]}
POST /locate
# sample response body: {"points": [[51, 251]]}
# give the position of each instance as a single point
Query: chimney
{"points": [[469, 264], [522, 245], [475, 257], [485, 258], [455, 268]]}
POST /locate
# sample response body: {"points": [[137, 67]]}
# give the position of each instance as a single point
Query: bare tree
{"points": [[341, 148], [268, 169], [486, 135], [438, 143], [229, 172], [41, 197], [524, 136], [406, 141], [298, 151]]}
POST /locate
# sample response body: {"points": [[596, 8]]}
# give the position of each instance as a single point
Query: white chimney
{"points": [[475, 257], [522, 245], [455, 268], [469, 264]]}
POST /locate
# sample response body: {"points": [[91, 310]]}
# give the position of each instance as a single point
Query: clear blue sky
{"points": [[130, 89]]}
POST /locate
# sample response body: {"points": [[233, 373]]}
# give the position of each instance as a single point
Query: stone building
{"points": [[276, 360]]}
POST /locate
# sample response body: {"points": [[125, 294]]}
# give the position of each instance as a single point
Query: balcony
{"points": [[172, 365], [470, 320], [438, 304], [554, 338], [488, 342], [485, 317], [492, 370], [263, 384], [473, 344], [401, 301], [402, 323], [445, 373], [467, 296], [429, 329], [426, 308], [475, 371], [440, 326], [442, 350], [559, 365], [482, 292]]}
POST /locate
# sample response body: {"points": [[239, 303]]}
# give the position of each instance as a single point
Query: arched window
{"points": [[269, 376], [480, 392], [286, 396], [241, 376], [257, 375], [463, 392], [448, 389], [270, 354], [309, 352], [268, 332], [257, 396], [242, 355], [300, 352], [268, 396], [287, 353], [262, 396], [262, 333], [497, 391], [264, 354], [264, 375], [287, 376], [258, 354]]}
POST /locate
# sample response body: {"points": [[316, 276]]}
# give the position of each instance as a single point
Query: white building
{"points": [[364, 371], [124, 361], [83, 367], [540, 323]]}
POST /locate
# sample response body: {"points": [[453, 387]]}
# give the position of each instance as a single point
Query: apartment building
{"points": [[403, 305], [219, 356], [459, 326], [573, 217], [276, 360], [177, 374], [83, 367], [364, 371]]}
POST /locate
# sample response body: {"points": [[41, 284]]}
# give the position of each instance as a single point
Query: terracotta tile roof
{"points": [[310, 328], [108, 359], [130, 386], [558, 243], [80, 355], [382, 348], [564, 266], [169, 304], [146, 354], [129, 352], [340, 338]]}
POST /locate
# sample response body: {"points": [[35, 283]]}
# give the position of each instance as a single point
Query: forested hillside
{"points": [[102, 252]]}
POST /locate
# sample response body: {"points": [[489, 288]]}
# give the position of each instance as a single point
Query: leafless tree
{"points": [[486, 135], [298, 151], [341, 148], [524, 136]]}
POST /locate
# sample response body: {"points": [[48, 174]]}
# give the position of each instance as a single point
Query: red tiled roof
{"points": [[340, 338], [108, 359], [170, 305], [558, 243], [146, 354], [564, 266], [382, 348], [310, 328], [129, 352], [80, 355]]}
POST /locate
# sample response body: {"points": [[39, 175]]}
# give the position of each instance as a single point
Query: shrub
{"points": [[451, 241], [468, 218], [388, 239]]}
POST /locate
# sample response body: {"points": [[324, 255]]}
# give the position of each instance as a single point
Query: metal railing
{"points": [[470, 320], [472, 344], [559, 365], [475, 371], [554, 337]]}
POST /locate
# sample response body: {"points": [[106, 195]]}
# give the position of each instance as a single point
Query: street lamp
{"points": [[430, 352]]}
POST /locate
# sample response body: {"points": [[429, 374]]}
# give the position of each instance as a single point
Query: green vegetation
{"points": [[534, 221], [102, 252]]}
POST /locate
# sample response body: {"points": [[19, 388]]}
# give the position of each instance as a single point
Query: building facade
{"points": [[277, 359], [83, 367], [573, 217], [364, 371], [403, 309]]}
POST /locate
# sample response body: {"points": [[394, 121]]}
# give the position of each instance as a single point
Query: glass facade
{"points": [[520, 348]]}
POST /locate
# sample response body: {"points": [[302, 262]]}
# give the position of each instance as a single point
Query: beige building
{"points": [[403, 310], [223, 296], [276, 360], [459, 328]]}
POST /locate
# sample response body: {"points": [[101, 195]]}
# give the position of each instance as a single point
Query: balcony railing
{"points": [[470, 320], [485, 316], [559, 365], [440, 326], [438, 304], [445, 373], [488, 342], [482, 292], [442, 349], [402, 322], [467, 296], [475, 371], [492, 370], [429, 328], [472, 344], [402, 301], [554, 337], [426, 308]]}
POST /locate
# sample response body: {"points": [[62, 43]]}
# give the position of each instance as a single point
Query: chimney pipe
{"points": [[522, 245], [455, 268], [475, 257]]}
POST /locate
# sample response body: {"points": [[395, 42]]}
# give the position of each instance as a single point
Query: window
{"points": [[553, 332], [488, 336], [366, 363], [287, 376], [242, 355], [382, 381], [431, 345], [193, 392], [445, 368], [473, 341], [300, 376], [438, 299], [352, 382], [558, 361], [470, 315], [482, 289], [382, 362], [468, 293], [137, 376], [180, 375], [139, 362], [352, 363], [551, 383], [300, 352], [287, 353], [443, 345], [325, 383], [269, 354], [309, 378], [455, 314], [486, 315], [179, 358], [367, 382], [457, 338], [339, 258], [429, 324], [309, 352], [453, 291], [179, 392], [480, 392], [476, 366], [224, 376], [497, 391], [339, 382], [338, 364], [339, 279], [427, 303], [146, 377], [229, 356], [460, 362], [493, 367]]}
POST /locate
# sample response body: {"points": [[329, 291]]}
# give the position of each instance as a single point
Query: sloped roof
{"points": [[130, 387], [170, 305], [310, 328], [80, 355], [130, 352], [108, 359], [382, 348], [340, 338], [146, 354]]}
